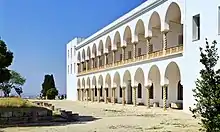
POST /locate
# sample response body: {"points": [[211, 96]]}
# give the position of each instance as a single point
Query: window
{"points": [[139, 51], [219, 20], [166, 93], [71, 54], [107, 93], [71, 69], [196, 27], [107, 60], [120, 92], [151, 91], [101, 91], [180, 91], [139, 91], [95, 91], [129, 54]]}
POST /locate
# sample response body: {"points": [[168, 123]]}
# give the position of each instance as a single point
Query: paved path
{"points": [[100, 117]]}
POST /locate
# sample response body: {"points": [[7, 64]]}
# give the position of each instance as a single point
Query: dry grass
{"points": [[15, 102]]}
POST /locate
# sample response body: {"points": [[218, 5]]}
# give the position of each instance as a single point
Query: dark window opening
{"points": [[151, 91], [120, 92], [139, 91], [180, 91]]}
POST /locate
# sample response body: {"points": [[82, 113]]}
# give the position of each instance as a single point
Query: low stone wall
{"points": [[24, 115]]}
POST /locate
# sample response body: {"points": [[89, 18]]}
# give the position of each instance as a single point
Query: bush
{"points": [[52, 93], [16, 102]]}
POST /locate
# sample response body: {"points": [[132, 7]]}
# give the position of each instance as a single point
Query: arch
{"points": [[173, 77], [83, 55], [108, 44], [88, 53], [100, 48], [116, 80], [100, 81], [154, 22], [139, 30], [79, 57], [78, 83], [83, 83], [173, 13], [139, 77], [88, 83], [155, 78], [117, 40], [108, 81], [127, 37], [94, 83], [94, 50], [126, 78]]}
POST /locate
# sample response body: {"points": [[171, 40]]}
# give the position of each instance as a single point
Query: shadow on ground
{"points": [[57, 121]]}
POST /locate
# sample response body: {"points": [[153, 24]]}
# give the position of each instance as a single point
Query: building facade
{"points": [[150, 56]]}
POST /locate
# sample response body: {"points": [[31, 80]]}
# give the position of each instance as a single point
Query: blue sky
{"points": [[37, 32]]}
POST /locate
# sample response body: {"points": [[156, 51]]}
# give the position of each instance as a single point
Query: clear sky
{"points": [[37, 31]]}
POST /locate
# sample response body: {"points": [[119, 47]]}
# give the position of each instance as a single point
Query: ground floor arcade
{"points": [[153, 88]]}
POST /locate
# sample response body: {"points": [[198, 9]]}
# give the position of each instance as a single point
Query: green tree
{"points": [[6, 58], [16, 82], [47, 84], [52, 93], [207, 91]]}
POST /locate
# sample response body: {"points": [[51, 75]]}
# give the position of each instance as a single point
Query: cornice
{"points": [[126, 20]]}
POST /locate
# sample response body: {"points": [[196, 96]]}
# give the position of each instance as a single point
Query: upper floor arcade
{"points": [[155, 34]]}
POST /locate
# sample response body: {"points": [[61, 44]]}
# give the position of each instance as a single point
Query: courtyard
{"points": [[100, 117]]}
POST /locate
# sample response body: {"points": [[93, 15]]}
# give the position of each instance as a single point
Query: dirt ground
{"points": [[100, 117]]}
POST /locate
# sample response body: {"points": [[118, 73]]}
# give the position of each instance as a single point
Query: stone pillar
{"points": [[106, 90], [134, 50], [87, 65], [92, 94], [148, 96], [87, 94], [113, 57], [164, 97], [135, 95], [98, 96], [92, 63], [105, 59], [113, 95], [123, 53], [164, 42], [98, 59], [123, 95], [148, 45]]}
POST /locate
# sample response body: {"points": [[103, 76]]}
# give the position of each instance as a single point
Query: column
{"points": [[164, 42], [123, 95], [87, 94], [92, 95], [148, 45], [106, 90], [134, 50], [92, 63], [113, 57], [82, 66], [87, 65], [164, 97], [123, 53], [98, 59], [113, 95], [105, 59], [148, 96], [98, 97], [135, 95]]}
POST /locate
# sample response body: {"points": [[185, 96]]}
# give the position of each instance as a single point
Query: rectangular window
{"points": [[196, 27], [219, 20], [139, 51], [151, 92], [129, 54]]}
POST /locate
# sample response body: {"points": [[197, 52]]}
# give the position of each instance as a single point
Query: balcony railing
{"points": [[153, 55]]}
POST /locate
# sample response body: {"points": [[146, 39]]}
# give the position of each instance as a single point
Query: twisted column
{"points": [[113, 57], [148, 45], [92, 95], [123, 53], [164, 42], [87, 65], [92, 63], [105, 59], [135, 95], [98, 59], [87, 94], [123, 95], [165, 97], [134, 50], [148, 96]]}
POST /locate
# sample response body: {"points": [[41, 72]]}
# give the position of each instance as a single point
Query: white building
{"points": [[148, 56]]}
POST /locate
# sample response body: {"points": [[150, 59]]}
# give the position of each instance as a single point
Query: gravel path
{"points": [[100, 117]]}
